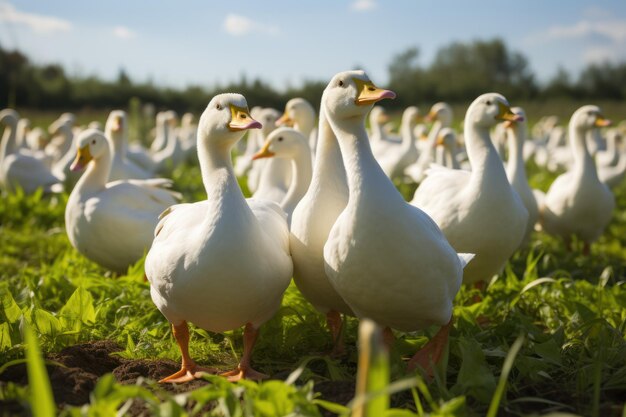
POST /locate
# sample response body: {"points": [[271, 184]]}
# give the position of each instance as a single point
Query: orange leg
{"points": [[431, 353], [188, 370], [244, 370], [335, 324]]}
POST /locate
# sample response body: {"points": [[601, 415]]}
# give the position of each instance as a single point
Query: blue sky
{"points": [[285, 42]]}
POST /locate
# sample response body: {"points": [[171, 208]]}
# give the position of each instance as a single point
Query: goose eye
{"points": [[340, 83], [488, 102], [93, 142], [218, 106], [280, 139]]}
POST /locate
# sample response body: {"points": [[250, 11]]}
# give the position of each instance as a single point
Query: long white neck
{"points": [[7, 146], [119, 142], [66, 131], [406, 133], [377, 130], [583, 165], [328, 169], [450, 154], [515, 169], [486, 164], [217, 171], [96, 175], [366, 179], [429, 152], [300, 179]]}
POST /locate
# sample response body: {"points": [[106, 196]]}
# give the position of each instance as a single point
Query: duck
{"points": [[386, 258], [577, 202], [116, 129], [111, 223], [187, 135], [224, 262], [19, 169], [613, 175], [243, 162], [172, 154], [516, 132], [478, 211], [288, 143], [311, 222], [300, 115], [441, 115], [397, 158]]}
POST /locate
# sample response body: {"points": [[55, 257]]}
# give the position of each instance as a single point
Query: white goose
{"points": [[397, 158], [516, 170], [441, 114], [613, 175], [478, 211], [116, 129], [300, 115], [447, 149], [267, 117], [387, 259], [577, 203], [172, 154], [111, 223], [21, 169], [224, 262], [311, 222], [290, 144]]}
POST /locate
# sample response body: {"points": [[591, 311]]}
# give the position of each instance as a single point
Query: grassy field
{"points": [[104, 342]]}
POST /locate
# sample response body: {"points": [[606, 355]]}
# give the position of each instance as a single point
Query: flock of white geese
{"points": [[324, 209]]}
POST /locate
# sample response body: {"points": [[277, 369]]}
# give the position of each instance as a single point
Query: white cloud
{"points": [[123, 32], [237, 25], [363, 5], [38, 23], [614, 30]]}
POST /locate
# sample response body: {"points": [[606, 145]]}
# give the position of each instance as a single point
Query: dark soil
{"points": [[76, 369]]}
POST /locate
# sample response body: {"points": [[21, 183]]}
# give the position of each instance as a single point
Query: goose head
{"points": [[284, 142], [9, 117], [225, 120], [588, 117], [61, 125], [91, 144], [296, 109], [95, 125], [446, 138], [517, 125], [116, 123], [489, 109], [351, 95], [187, 120], [23, 128], [440, 111]]}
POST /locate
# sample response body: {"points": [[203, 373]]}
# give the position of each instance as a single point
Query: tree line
{"points": [[459, 72]]}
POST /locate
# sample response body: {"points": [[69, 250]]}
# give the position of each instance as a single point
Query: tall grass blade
{"points": [[41, 400], [506, 369]]}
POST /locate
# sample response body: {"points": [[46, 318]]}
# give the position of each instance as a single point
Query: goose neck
{"points": [[7, 146], [515, 168], [96, 175], [217, 171], [583, 161], [328, 165], [302, 171], [483, 157]]}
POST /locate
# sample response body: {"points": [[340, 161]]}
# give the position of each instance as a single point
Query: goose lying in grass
{"points": [[21, 169], [577, 203], [387, 259], [111, 223], [478, 211], [290, 144], [224, 262]]}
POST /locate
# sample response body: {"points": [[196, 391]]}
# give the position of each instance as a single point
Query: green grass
{"points": [[570, 310]]}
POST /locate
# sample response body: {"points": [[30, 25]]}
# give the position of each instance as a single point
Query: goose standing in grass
{"points": [[516, 170], [613, 175], [387, 259], [577, 203], [441, 116], [478, 211], [397, 158], [311, 222], [288, 143], [224, 262], [112, 223], [116, 129], [21, 169]]}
